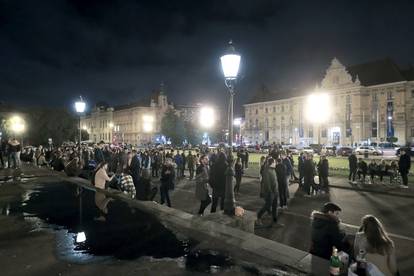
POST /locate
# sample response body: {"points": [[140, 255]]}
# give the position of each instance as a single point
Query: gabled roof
{"points": [[376, 72]]}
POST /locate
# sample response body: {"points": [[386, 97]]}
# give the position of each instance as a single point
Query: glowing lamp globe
{"points": [[80, 106], [230, 63]]}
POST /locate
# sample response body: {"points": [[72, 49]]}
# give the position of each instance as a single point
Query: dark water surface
{"points": [[91, 227]]}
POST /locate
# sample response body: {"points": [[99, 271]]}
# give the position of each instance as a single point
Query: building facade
{"points": [[136, 123], [368, 102]]}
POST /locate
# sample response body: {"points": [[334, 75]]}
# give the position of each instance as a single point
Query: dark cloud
{"points": [[118, 51]]}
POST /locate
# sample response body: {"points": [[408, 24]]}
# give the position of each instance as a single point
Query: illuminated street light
{"points": [[111, 125], [207, 117], [80, 107], [17, 124], [230, 63], [318, 109], [148, 123]]}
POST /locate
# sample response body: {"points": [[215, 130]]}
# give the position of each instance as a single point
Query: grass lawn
{"points": [[338, 163]]}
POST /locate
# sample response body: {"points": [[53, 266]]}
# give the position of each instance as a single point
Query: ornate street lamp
{"points": [[80, 106], [230, 63]]}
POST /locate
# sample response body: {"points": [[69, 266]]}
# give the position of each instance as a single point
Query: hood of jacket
{"points": [[321, 220]]}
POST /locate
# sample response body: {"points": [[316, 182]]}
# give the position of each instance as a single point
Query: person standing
{"points": [[98, 153], [246, 159], [218, 181], [353, 166], [179, 162], [202, 180], [167, 181], [269, 192], [404, 165], [191, 163], [375, 242], [308, 174], [323, 173], [3, 151], [184, 162], [15, 149], [301, 160], [282, 183], [238, 170]]}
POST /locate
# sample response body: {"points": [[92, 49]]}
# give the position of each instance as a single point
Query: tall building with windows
{"points": [[369, 102], [135, 123]]}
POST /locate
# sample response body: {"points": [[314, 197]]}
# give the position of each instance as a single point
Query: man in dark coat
{"points": [[326, 232], [99, 156], [282, 184], [301, 161], [218, 181], [308, 174], [323, 172], [135, 171], [353, 166], [404, 165]]}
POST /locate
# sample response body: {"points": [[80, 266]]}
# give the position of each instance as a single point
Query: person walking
{"points": [[218, 181], [238, 169], [282, 183], [353, 166], [202, 180], [404, 165], [378, 247], [269, 192], [167, 181]]}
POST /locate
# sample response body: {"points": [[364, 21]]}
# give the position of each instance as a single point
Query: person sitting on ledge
{"points": [[326, 232]]}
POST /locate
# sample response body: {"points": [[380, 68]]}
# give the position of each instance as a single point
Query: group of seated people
{"points": [[380, 169], [371, 238]]}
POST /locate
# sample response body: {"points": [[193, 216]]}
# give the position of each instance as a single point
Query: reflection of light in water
{"points": [[80, 237]]}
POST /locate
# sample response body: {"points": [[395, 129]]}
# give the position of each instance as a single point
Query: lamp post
{"points": [[80, 106], [230, 63]]}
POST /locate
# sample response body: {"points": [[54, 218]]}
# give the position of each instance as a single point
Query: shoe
{"points": [[277, 224], [307, 196], [284, 207]]}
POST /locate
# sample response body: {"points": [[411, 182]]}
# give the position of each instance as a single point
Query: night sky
{"points": [[52, 51]]}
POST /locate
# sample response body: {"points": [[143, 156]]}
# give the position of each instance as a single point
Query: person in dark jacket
{"points": [[282, 183], [326, 232], [308, 174], [353, 166], [202, 180], [301, 161], [404, 165], [135, 171], [270, 192], [323, 173], [98, 153], [167, 181], [218, 181], [238, 169], [362, 170]]}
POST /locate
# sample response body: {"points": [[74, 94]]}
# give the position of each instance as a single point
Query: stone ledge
{"points": [[240, 244]]}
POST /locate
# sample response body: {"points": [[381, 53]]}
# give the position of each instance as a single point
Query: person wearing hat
{"points": [[326, 232]]}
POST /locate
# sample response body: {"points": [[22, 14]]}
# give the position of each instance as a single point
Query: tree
{"points": [[192, 133], [392, 139], [172, 126]]}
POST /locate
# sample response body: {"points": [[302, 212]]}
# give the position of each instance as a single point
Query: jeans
{"points": [[15, 156], [204, 204], [404, 178], [215, 203], [165, 196], [238, 181], [270, 206], [283, 194], [352, 174]]}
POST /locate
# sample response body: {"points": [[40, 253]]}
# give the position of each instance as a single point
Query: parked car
{"points": [[344, 151], [388, 148], [409, 150], [293, 150], [370, 149], [328, 151], [307, 150], [317, 148]]}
